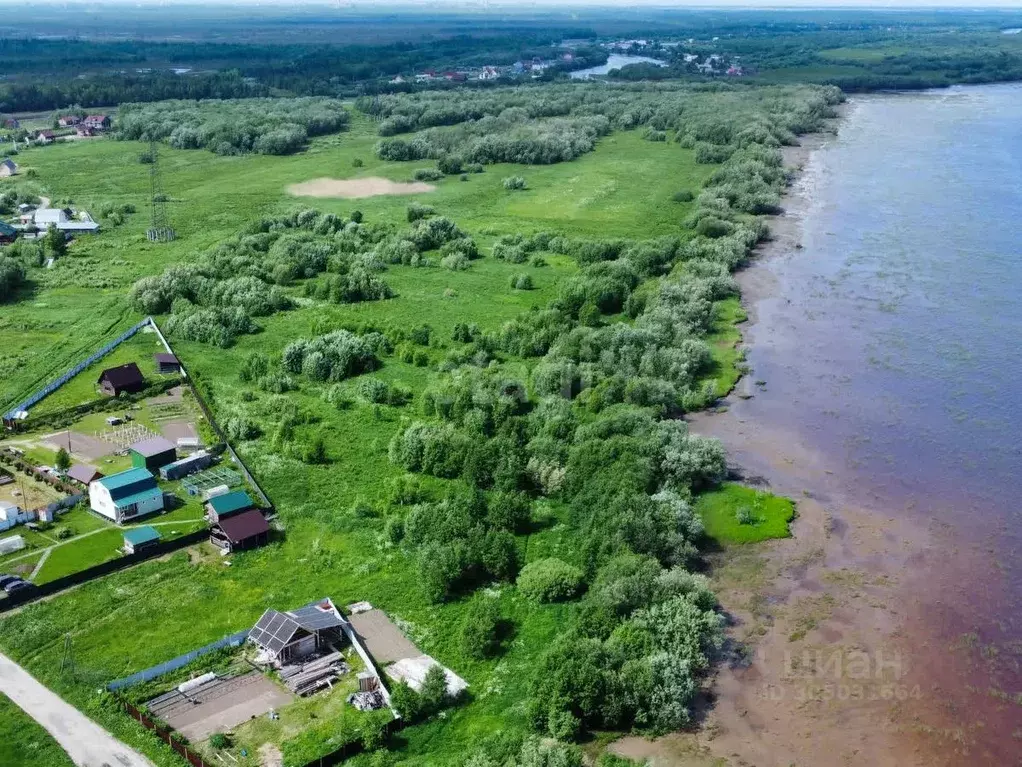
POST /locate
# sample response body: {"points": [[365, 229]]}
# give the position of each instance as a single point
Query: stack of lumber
{"points": [[307, 678]]}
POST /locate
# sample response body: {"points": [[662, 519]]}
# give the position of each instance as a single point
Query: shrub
{"points": [[480, 630], [373, 390], [549, 580], [744, 515], [427, 174], [417, 211], [522, 282], [513, 183], [683, 196], [219, 740]]}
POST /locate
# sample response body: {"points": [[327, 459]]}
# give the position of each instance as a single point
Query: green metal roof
{"points": [[7, 230], [125, 478], [136, 536], [231, 502], [141, 495]]}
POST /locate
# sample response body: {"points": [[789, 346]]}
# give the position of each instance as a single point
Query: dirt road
{"points": [[88, 744]]}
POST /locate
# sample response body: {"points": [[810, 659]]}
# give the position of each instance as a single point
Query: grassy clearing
{"points": [[25, 742], [719, 509]]}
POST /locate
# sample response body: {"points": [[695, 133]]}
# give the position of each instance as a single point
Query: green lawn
{"points": [[24, 742], [770, 514], [77, 555]]}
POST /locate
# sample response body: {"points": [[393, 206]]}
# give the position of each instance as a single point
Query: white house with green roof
{"points": [[126, 496]]}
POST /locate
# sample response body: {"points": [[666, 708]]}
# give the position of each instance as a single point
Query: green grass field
{"points": [[770, 515], [24, 742], [622, 189]]}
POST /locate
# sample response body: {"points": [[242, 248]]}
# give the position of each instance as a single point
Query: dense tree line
{"points": [[558, 123], [264, 126]]}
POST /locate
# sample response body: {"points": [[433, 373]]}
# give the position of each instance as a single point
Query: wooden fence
{"points": [[165, 734]]}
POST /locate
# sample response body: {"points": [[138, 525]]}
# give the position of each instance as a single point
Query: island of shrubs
{"points": [[237, 126]]}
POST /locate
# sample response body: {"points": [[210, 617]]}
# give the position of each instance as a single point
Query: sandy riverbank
{"points": [[840, 663]]}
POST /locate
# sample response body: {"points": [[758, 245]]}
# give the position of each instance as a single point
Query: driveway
{"points": [[88, 744]]}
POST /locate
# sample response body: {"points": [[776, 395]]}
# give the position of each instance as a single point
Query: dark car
{"points": [[5, 579], [11, 586]]}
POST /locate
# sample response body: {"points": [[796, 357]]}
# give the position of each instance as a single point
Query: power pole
{"points": [[67, 663], [160, 229]]}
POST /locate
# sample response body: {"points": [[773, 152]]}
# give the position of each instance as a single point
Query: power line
{"points": [[160, 229]]}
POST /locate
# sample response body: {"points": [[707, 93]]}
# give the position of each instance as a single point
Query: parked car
{"points": [[5, 579], [13, 585], [17, 586]]}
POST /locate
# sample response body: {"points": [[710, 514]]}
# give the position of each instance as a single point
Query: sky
{"points": [[553, 4]]}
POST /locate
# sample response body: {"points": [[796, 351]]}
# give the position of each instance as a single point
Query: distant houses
{"points": [[97, 122], [246, 530], [123, 378], [125, 496], [68, 121], [63, 219], [45, 136]]}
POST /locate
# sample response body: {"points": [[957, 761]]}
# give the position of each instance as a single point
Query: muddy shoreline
{"points": [[846, 654]]}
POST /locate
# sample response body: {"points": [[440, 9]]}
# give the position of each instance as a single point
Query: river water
{"points": [[889, 346], [614, 61]]}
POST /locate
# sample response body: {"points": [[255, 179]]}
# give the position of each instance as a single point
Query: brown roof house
{"points": [[123, 378], [83, 474], [97, 122], [247, 530]]}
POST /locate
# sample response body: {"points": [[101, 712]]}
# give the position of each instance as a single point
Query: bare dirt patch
{"points": [[82, 445], [382, 637], [354, 188]]}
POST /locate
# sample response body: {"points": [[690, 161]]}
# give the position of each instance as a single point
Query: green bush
{"points": [[522, 282], [683, 196], [513, 183], [549, 580], [480, 630], [427, 174]]}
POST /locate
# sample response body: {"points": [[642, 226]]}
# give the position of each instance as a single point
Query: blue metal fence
{"points": [[234, 640], [57, 383]]}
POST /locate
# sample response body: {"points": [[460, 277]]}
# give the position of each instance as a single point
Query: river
{"points": [[614, 61], [885, 367]]}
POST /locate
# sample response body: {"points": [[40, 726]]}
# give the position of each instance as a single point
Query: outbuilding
{"points": [[123, 378], [222, 507], [247, 530], [167, 363], [152, 453], [8, 233], [7, 168], [193, 463], [126, 495], [140, 538], [290, 636], [83, 474]]}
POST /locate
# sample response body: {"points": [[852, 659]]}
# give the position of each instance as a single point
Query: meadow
{"points": [[336, 509], [26, 742]]}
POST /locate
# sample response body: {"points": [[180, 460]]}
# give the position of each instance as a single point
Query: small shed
{"points": [[222, 507], [11, 544], [193, 463], [290, 636], [7, 168], [247, 530], [123, 378], [83, 474], [140, 538], [152, 453], [167, 363]]}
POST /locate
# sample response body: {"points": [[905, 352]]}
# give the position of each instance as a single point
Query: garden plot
{"points": [[210, 478], [125, 435], [219, 705]]}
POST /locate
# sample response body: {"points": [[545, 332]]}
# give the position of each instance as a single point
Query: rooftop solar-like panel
{"points": [[312, 618], [274, 630]]}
